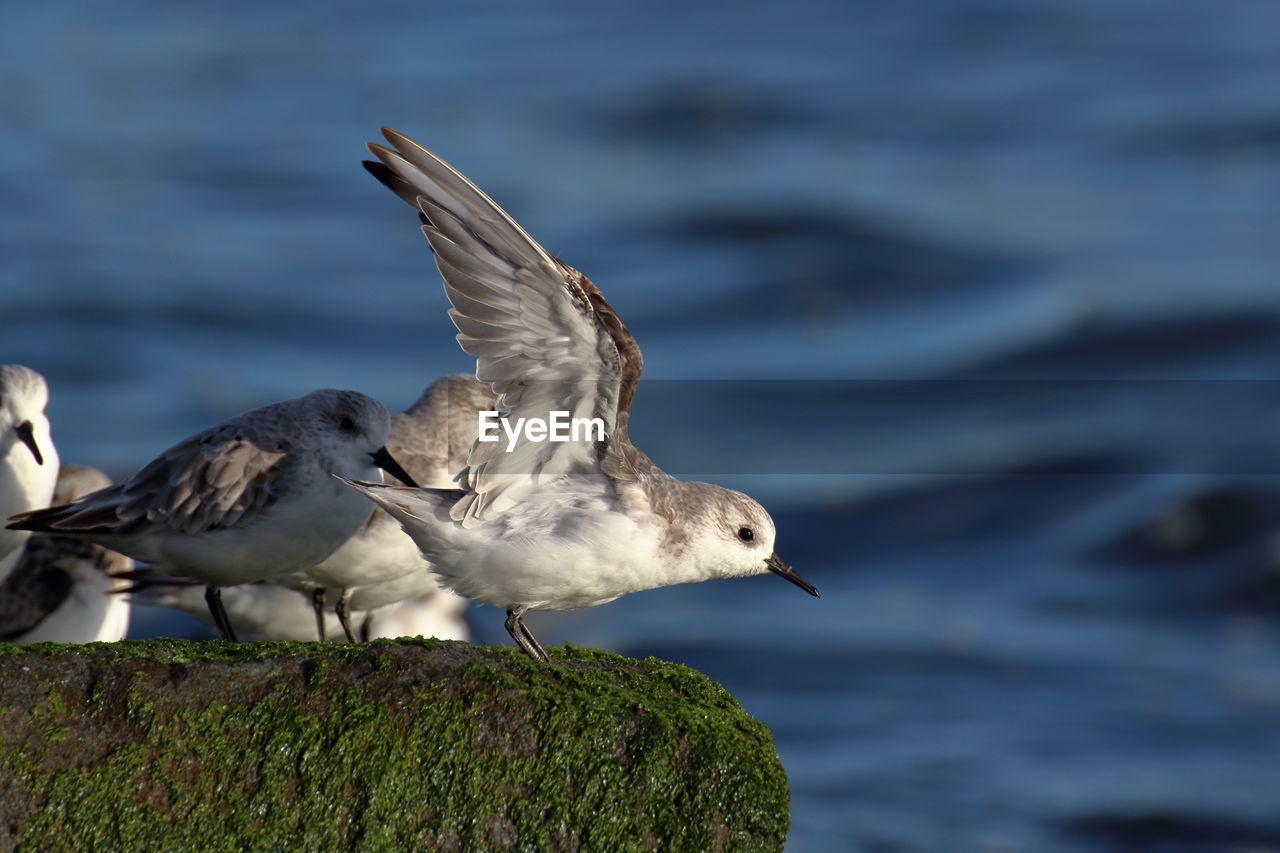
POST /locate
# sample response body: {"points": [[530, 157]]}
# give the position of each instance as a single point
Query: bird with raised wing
{"points": [[540, 524]]}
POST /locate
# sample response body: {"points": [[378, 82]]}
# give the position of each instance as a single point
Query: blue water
{"points": [[1050, 606]]}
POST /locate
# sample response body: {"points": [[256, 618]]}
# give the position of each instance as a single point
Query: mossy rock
{"points": [[391, 745]]}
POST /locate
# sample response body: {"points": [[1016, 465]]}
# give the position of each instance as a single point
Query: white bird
{"points": [[60, 590], [431, 440], [549, 525], [28, 459], [266, 611], [248, 499]]}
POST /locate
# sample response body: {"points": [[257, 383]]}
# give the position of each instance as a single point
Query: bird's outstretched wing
{"points": [[541, 333]]}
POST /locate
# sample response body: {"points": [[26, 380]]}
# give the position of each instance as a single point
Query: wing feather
{"points": [[214, 480], [542, 335]]}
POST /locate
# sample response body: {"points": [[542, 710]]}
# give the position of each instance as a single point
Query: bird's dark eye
{"points": [[347, 425], [745, 534]]}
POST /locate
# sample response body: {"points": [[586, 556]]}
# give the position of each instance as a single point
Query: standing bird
{"points": [[551, 525], [251, 498], [431, 440], [60, 591], [28, 459]]}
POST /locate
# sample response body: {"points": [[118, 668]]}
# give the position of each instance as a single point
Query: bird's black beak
{"points": [[384, 460], [27, 434], [775, 564]]}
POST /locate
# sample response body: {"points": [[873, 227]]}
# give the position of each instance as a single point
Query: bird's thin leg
{"points": [[344, 615], [532, 641], [213, 598], [317, 602], [523, 636]]}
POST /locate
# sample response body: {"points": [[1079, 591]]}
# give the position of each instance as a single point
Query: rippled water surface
{"points": [[1028, 248]]}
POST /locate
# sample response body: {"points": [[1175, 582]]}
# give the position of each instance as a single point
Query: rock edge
{"points": [[408, 744]]}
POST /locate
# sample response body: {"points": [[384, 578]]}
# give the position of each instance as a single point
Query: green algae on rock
{"points": [[407, 744]]}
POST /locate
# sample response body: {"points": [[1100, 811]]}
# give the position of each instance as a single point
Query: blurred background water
{"points": [[1029, 249]]}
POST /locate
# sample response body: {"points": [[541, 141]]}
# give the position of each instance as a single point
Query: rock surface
{"points": [[421, 745]]}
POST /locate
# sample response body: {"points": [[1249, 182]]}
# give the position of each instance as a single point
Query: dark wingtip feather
{"points": [[386, 177], [68, 519], [35, 520], [398, 185]]}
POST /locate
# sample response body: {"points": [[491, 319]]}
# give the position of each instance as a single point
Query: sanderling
{"points": [[61, 591], [242, 501], [552, 525], [28, 459], [431, 440], [266, 611]]}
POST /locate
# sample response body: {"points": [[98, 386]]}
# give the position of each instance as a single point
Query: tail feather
{"points": [[145, 578]]}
